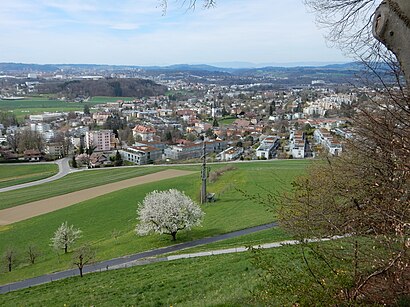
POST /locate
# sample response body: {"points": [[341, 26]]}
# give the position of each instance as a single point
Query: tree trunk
{"points": [[9, 266], [174, 236], [81, 271], [65, 248], [391, 26]]}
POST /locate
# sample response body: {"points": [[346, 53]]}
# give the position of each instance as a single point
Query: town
{"points": [[255, 119]]}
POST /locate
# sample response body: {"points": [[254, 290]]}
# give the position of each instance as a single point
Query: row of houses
{"points": [[298, 145], [326, 139]]}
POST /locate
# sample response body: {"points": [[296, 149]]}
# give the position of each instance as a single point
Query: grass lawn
{"points": [[70, 183], [103, 99], [103, 216], [227, 121], [18, 174], [224, 280]]}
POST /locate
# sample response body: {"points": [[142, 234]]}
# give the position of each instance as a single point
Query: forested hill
{"points": [[137, 88]]}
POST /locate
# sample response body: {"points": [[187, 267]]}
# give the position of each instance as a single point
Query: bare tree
{"points": [[10, 257], [83, 256], [190, 4], [32, 253]]}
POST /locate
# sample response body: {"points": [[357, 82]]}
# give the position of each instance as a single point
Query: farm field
{"points": [[17, 174], [40, 104], [70, 183], [224, 280], [108, 222]]}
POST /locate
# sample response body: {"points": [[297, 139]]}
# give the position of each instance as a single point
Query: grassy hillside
{"points": [[225, 280], [115, 213], [18, 174]]}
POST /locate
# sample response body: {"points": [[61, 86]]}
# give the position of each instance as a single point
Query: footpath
{"points": [[131, 260], [150, 257]]}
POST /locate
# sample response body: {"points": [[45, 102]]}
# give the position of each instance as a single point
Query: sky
{"points": [[136, 32]]}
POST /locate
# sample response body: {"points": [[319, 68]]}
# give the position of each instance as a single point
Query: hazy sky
{"points": [[135, 32]]}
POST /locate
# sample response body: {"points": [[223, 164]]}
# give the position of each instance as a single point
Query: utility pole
{"points": [[204, 174]]}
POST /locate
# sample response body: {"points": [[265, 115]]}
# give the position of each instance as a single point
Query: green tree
{"points": [[118, 159], [168, 136], [86, 109], [8, 119], [209, 133], [74, 162]]}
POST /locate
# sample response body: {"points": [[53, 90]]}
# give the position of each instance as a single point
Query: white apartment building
{"points": [[232, 153], [267, 148], [297, 144], [324, 138]]}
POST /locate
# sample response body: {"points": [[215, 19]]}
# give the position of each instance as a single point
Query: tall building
{"points": [[100, 140]]}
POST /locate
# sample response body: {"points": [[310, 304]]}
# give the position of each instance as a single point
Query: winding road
{"points": [[63, 170]]}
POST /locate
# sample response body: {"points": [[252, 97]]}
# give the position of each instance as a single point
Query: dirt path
{"points": [[29, 210]]}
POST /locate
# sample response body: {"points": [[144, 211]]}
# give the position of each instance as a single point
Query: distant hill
{"points": [[105, 87], [238, 67], [20, 67]]}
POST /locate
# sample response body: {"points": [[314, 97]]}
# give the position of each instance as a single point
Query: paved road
{"points": [[116, 262], [63, 170]]}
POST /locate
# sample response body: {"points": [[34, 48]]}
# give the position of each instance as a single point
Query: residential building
{"points": [[194, 150], [232, 153], [141, 154], [98, 159], [99, 140], [146, 133], [325, 139], [100, 118], [267, 148], [54, 149], [32, 155], [297, 144]]}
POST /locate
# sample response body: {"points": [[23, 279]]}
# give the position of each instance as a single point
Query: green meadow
{"points": [[108, 222], [18, 174], [225, 280]]}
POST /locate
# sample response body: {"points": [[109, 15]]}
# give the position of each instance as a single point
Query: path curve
{"points": [[104, 265], [29, 210], [63, 170]]}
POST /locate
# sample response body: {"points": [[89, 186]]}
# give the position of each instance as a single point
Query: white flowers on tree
{"points": [[167, 212], [65, 236]]}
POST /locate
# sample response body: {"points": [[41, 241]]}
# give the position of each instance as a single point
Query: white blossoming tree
{"points": [[167, 212], [65, 236]]}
